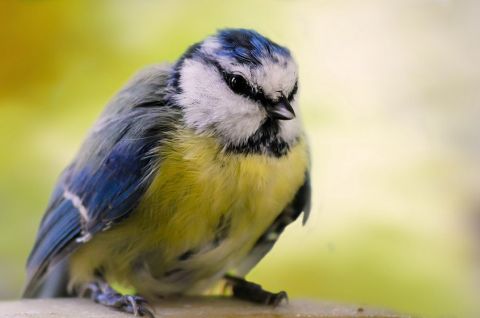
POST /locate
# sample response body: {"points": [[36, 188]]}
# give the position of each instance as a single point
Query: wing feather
{"points": [[109, 175]]}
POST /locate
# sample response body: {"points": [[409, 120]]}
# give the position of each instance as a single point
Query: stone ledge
{"points": [[200, 307]]}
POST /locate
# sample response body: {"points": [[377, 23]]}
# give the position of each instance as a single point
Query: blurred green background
{"points": [[391, 101]]}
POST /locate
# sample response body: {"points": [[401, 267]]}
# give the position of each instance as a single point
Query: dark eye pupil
{"points": [[239, 85]]}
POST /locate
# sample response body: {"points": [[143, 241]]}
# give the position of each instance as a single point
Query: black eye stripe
{"points": [[251, 92], [242, 87], [239, 85]]}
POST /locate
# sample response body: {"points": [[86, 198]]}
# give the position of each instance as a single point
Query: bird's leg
{"points": [[245, 290], [102, 293]]}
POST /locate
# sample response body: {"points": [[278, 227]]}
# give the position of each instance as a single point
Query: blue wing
{"points": [[110, 174]]}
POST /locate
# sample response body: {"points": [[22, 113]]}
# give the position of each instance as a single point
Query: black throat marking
{"points": [[264, 141]]}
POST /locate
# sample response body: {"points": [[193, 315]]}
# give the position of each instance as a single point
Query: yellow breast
{"points": [[196, 189]]}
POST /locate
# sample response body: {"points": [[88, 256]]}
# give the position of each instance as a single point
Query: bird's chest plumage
{"points": [[203, 213]]}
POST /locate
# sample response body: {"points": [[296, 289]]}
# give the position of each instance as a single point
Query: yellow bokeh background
{"points": [[391, 103]]}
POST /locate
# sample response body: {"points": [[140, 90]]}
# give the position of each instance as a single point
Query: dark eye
{"points": [[239, 85]]}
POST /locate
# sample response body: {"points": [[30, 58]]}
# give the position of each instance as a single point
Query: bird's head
{"points": [[240, 87]]}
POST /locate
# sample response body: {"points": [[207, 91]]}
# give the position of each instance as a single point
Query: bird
{"points": [[186, 180]]}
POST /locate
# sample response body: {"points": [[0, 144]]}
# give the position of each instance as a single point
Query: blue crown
{"points": [[242, 45], [248, 46]]}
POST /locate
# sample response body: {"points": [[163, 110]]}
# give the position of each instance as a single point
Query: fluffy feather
{"points": [[181, 179]]}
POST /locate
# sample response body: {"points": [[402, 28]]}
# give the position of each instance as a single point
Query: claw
{"points": [[249, 291], [103, 294], [146, 312], [133, 304], [278, 298]]}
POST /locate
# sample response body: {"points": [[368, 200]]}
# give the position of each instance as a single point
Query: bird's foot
{"points": [[245, 290], [103, 294]]}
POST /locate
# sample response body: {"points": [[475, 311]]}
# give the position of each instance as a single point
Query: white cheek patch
{"points": [[209, 104]]}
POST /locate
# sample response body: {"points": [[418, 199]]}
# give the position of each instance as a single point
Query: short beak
{"points": [[281, 110]]}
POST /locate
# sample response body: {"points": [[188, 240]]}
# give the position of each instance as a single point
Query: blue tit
{"points": [[188, 178]]}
